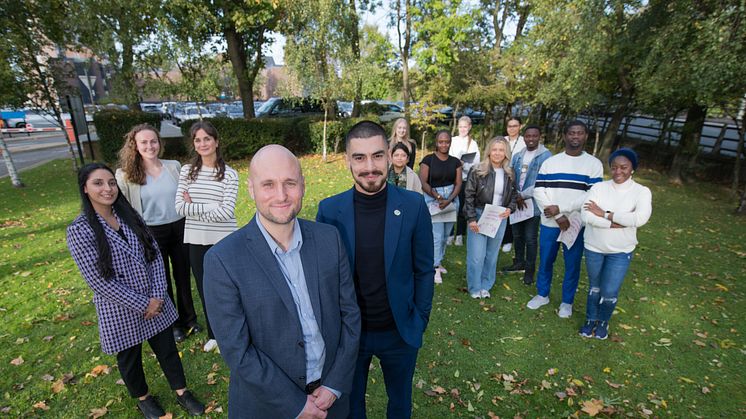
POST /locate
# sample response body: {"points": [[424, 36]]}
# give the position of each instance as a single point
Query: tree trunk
{"points": [[523, 13], [239, 62], [664, 129], [742, 206], [12, 173], [719, 142], [323, 138], [354, 35], [404, 49], [689, 142], [128, 76], [611, 132], [740, 121]]}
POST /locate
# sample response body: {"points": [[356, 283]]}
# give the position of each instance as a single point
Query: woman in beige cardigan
{"points": [[399, 172], [150, 184]]}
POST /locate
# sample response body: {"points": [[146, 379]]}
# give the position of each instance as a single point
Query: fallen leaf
{"points": [[18, 361], [466, 342], [592, 407], [420, 383], [47, 377], [456, 374], [545, 384], [58, 386], [66, 378], [612, 385], [721, 287], [97, 413], [552, 371], [607, 370], [455, 393], [40, 405], [119, 382], [492, 415], [577, 382], [699, 343], [47, 338], [170, 415], [686, 380], [87, 323], [25, 274], [100, 369], [625, 326], [705, 390], [506, 286], [561, 395]]}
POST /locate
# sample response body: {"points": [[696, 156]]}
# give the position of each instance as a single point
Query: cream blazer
{"points": [[131, 191]]}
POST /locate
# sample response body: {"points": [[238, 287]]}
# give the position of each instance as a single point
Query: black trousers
{"points": [[164, 346], [196, 257], [526, 235], [509, 236], [170, 238]]}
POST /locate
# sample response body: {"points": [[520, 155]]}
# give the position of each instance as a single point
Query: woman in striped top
{"points": [[207, 198]]}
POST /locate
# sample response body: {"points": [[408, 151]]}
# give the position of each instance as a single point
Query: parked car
{"points": [[345, 109], [477, 117], [277, 107], [391, 111], [13, 118], [234, 111], [189, 113], [151, 108]]}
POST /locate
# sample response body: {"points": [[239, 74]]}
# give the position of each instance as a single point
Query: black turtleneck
{"points": [[370, 266]]}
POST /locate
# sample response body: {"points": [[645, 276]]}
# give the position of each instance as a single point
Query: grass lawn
{"points": [[677, 345]]}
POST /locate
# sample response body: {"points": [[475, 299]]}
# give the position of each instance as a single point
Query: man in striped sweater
{"points": [[561, 189]]}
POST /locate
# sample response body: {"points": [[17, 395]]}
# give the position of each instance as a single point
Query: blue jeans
{"points": [[481, 257], [606, 273], [398, 361], [441, 231], [548, 249]]}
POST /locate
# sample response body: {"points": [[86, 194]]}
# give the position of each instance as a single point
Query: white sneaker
{"points": [[485, 294], [537, 302], [438, 278], [565, 311], [449, 241], [459, 240], [210, 346], [507, 247], [442, 269], [476, 295]]}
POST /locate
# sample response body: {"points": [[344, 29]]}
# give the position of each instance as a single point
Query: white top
{"points": [[459, 147], [516, 145], [632, 206], [157, 198], [528, 157], [497, 194], [564, 180], [210, 217]]}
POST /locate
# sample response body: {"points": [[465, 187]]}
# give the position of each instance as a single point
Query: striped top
{"points": [[210, 216], [564, 180]]}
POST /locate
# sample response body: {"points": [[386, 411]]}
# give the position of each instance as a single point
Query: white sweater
{"points": [[631, 204], [564, 181], [461, 146], [210, 216]]}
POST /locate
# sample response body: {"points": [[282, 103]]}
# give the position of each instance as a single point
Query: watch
{"points": [[607, 215]]}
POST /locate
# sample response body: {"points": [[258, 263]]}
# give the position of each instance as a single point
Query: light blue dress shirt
{"points": [[292, 269]]}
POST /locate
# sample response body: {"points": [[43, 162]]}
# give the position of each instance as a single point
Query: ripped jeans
{"points": [[606, 273]]}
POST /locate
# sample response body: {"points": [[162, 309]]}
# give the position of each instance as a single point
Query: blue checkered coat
{"points": [[122, 300]]}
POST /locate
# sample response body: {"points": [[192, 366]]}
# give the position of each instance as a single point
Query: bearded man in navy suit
{"points": [[387, 232], [282, 297]]}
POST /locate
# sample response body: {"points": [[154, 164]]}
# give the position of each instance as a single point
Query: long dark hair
{"points": [[126, 213], [197, 159]]}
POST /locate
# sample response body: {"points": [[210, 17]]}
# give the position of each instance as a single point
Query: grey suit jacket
{"points": [[256, 324]]}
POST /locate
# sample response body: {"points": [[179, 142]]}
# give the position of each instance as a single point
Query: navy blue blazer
{"points": [[256, 323], [408, 254]]}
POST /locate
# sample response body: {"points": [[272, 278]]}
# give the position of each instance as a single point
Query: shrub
{"points": [[241, 138], [113, 124], [335, 134]]}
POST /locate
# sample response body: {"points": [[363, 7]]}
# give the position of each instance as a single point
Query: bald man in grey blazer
{"points": [[281, 293]]}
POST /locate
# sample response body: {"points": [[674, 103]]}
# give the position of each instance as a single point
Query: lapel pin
{"points": [[397, 213]]}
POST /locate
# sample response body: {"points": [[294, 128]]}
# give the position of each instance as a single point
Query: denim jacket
{"points": [[533, 171]]}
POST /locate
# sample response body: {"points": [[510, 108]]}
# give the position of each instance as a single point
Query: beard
{"points": [[370, 186], [285, 219]]}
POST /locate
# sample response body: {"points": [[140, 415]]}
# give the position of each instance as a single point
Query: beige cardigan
{"points": [[413, 181], [131, 191]]}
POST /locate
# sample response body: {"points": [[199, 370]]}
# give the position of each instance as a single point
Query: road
{"points": [[34, 150]]}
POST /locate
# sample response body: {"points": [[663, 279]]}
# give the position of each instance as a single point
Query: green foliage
{"points": [[335, 133], [112, 125], [674, 350], [241, 138]]}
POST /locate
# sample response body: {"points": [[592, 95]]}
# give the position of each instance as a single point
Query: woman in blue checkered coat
{"points": [[120, 261]]}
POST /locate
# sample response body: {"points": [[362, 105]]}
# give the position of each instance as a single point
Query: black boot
{"points": [[528, 276]]}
